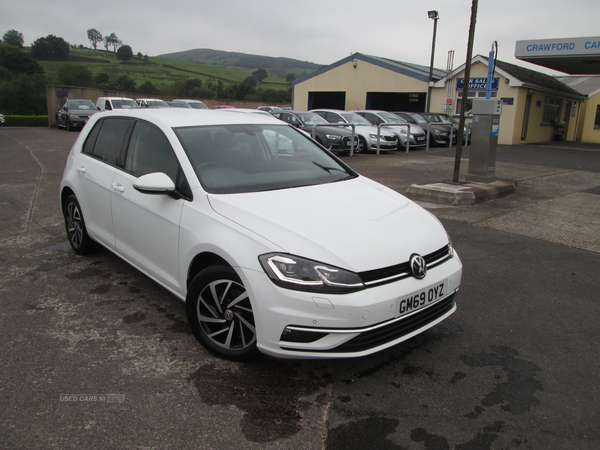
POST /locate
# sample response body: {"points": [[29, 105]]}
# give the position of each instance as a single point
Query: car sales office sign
{"points": [[477, 84]]}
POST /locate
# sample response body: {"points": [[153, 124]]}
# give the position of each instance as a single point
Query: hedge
{"points": [[26, 121]]}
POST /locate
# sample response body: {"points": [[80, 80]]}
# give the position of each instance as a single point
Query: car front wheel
{"points": [[361, 145], [220, 314]]}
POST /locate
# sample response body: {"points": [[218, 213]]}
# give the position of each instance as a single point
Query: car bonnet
{"points": [[355, 224]]}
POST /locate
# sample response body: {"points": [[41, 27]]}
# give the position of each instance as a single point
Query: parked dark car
{"points": [[447, 118], [336, 139], [438, 134], [75, 113]]}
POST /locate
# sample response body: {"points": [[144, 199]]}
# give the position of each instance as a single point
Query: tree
{"points": [[24, 95], [125, 84], [13, 37], [75, 75], [125, 53], [290, 77], [17, 61], [260, 74], [102, 81], [50, 47], [112, 40], [95, 37], [148, 88]]}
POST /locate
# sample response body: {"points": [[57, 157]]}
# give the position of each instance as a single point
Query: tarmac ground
{"points": [[95, 355]]}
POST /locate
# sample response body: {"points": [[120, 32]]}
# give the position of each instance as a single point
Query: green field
{"points": [[159, 71]]}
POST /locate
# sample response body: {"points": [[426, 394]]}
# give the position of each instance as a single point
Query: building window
{"points": [[551, 110], [597, 122], [470, 96]]}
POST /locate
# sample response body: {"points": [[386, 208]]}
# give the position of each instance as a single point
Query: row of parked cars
{"points": [[396, 128], [74, 114], [373, 129]]}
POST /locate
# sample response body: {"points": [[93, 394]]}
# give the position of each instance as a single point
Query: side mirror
{"points": [[154, 183]]}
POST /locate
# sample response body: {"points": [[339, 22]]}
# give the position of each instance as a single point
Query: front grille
{"points": [[399, 271], [395, 330]]}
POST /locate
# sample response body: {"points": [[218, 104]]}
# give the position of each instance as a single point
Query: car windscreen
{"points": [[198, 105], [156, 103], [311, 119], [392, 118], [124, 104], [81, 104], [419, 119], [251, 158], [355, 119]]}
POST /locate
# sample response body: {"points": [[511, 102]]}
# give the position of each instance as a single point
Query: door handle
{"points": [[81, 169], [118, 187]]}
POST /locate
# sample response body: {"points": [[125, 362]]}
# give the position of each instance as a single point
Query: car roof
{"points": [[374, 111], [187, 100], [180, 117]]}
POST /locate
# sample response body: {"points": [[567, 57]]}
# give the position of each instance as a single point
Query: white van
{"points": [[196, 104], [110, 103]]}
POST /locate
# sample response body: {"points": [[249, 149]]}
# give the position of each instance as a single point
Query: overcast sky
{"points": [[319, 31]]}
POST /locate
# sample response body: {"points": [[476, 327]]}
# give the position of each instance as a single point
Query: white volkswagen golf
{"points": [[274, 244]]}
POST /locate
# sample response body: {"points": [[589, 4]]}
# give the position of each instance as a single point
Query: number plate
{"points": [[421, 138], [421, 299]]}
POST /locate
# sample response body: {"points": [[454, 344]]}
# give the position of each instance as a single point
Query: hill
{"points": [[242, 61], [157, 70]]}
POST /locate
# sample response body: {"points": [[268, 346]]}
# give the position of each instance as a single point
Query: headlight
{"points": [[333, 137], [450, 246], [374, 137], [301, 274]]}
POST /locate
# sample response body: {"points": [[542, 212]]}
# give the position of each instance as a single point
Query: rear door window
{"points": [[105, 141]]}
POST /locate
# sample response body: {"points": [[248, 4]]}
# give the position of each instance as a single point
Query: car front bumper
{"points": [[302, 325]]}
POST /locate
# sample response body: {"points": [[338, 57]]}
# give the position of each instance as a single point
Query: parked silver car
{"points": [[417, 135], [365, 130]]}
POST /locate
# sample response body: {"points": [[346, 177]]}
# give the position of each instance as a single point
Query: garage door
{"points": [[397, 101], [326, 100]]}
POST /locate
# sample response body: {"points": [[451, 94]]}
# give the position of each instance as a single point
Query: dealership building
{"points": [[536, 107]]}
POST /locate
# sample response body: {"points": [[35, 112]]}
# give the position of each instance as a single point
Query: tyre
{"points": [[361, 146], [220, 314], [75, 224]]}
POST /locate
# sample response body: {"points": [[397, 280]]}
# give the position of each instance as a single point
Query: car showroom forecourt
{"points": [[246, 219]]}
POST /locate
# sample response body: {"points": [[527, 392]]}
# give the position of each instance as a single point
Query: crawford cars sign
{"points": [[558, 47]]}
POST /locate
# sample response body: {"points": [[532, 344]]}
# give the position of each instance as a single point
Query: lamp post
{"points": [[432, 15]]}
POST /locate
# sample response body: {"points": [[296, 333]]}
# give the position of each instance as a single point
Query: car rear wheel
{"points": [[220, 314], [75, 224]]}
